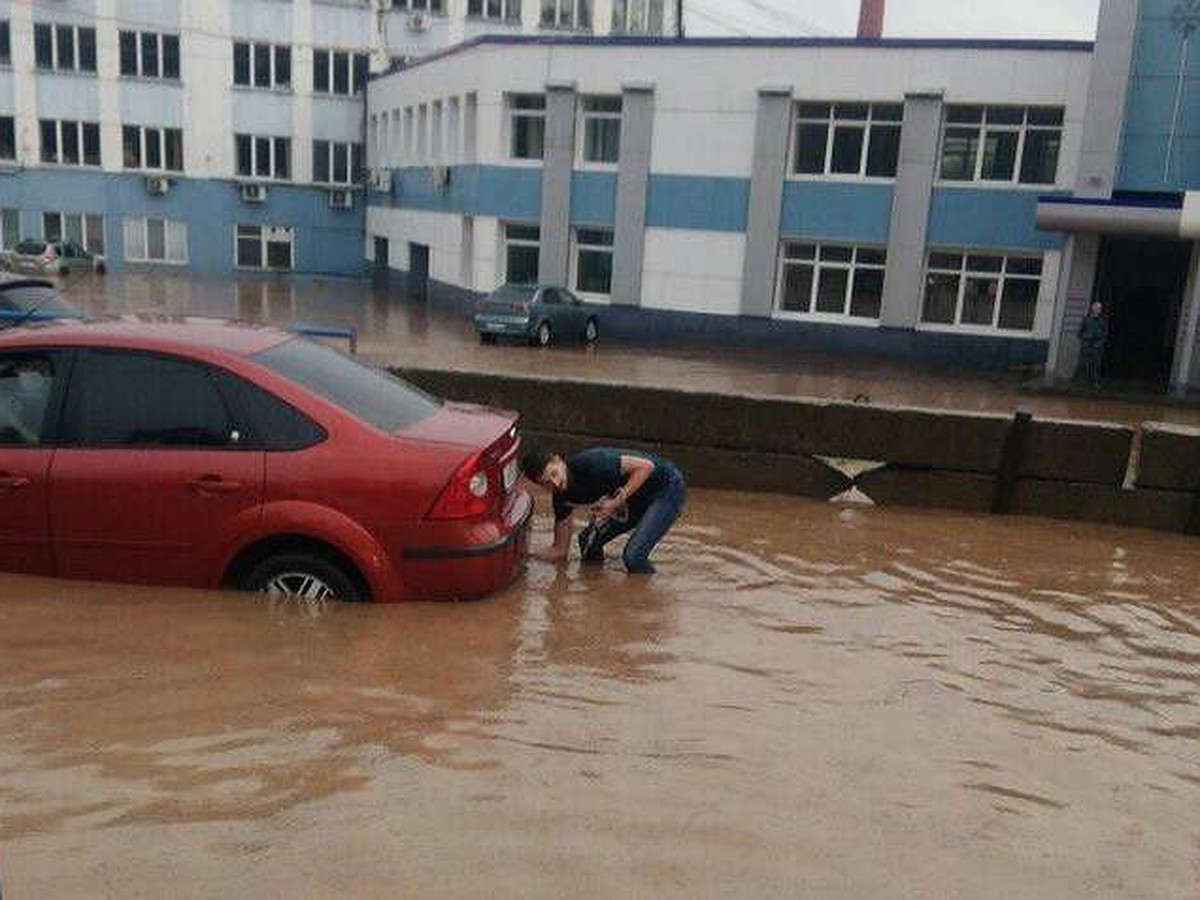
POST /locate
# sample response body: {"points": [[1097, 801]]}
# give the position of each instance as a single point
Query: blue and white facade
{"points": [[874, 194], [221, 135]]}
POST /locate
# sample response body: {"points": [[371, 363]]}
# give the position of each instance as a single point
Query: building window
{"points": [[637, 17], [263, 157], [82, 228], [152, 148], [833, 281], [64, 48], [601, 129], [148, 54], [436, 7], [593, 260], [522, 246], [264, 247], [853, 139], [10, 228], [156, 240], [339, 72], [1007, 144], [8, 139], [335, 162], [527, 117], [70, 143], [262, 65], [982, 291], [495, 10], [572, 14], [5, 42]]}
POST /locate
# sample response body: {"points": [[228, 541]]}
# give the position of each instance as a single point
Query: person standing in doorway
{"points": [[623, 490], [1093, 338]]}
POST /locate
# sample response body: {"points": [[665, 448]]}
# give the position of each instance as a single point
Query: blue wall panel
{"points": [[697, 202], [994, 219], [594, 198], [842, 212]]}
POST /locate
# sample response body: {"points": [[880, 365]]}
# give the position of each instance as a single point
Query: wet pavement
{"points": [[397, 331], [807, 701]]}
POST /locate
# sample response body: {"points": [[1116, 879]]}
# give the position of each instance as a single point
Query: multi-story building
{"points": [[222, 135], [943, 199]]}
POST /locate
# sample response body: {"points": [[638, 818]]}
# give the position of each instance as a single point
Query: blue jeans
{"points": [[652, 527]]}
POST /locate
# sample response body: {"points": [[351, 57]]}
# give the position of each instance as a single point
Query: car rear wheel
{"points": [[544, 336], [487, 339], [304, 578], [100, 269], [591, 332]]}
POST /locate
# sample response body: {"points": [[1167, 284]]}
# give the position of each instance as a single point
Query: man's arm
{"points": [[637, 470], [561, 548]]}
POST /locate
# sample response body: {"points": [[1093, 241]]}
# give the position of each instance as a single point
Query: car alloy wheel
{"points": [[592, 332], [544, 335], [298, 586]]}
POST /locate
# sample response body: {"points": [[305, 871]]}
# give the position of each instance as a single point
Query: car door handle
{"points": [[12, 482], [214, 484]]}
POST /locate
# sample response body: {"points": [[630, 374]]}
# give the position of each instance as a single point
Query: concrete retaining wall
{"points": [[925, 458]]}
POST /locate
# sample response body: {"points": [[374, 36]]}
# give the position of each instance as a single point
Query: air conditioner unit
{"points": [[381, 180], [439, 177], [419, 20], [341, 199], [157, 186], [254, 193]]}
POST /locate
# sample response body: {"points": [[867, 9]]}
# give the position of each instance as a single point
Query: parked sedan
{"points": [[31, 300], [536, 313], [42, 257], [206, 453]]}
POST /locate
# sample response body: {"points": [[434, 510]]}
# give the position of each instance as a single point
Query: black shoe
{"points": [[590, 547]]}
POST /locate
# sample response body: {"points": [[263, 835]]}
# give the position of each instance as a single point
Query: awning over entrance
{"points": [[1170, 216]]}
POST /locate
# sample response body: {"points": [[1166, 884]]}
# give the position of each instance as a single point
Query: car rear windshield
{"points": [[31, 248], [30, 297], [513, 293], [369, 394]]}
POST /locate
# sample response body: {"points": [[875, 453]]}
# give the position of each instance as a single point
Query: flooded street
{"points": [[807, 701]]}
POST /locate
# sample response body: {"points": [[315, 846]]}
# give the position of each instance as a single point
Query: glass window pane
{"points": [[49, 134], [153, 148], [131, 143], [1005, 115], [831, 290], [999, 156], [65, 35], [279, 254], [800, 251], [156, 239], [244, 154], [91, 144], [52, 226], [797, 288], [95, 233], [174, 160], [887, 112], [521, 264], [870, 256], [811, 141], [321, 71], [87, 49], [960, 148], [283, 158], [135, 239], [321, 161], [1039, 162], [74, 223], [979, 301], [360, 72], [128, 52], [262, 157], [866, 300], [602, 140], [1018, 307], [149, 54], [341, 163], [523, 233], [813, 111], [170, 53], [1024, 265], [43, 46], [945, 260], [851, 111], [283, 67], [529, 135], [70, 143], [341, 72], [1045, 115], [177, 242], [8, 138], [847, 151], [549, 13], [941, 299], [262, 65], [249, 251], [241, 64], [595, 272], [25, 387], [883, 153], [837, 254], [964, 115], [985, 263]]}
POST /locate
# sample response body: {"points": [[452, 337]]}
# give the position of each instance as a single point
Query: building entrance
{"points": [[1141, 284]]}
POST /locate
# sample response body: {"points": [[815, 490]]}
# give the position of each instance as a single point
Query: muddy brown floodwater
{"points": [[807, 702]]}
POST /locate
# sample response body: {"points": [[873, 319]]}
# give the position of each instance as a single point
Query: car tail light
{"points": [[469, 494]]}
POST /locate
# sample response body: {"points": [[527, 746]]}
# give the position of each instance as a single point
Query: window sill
{"points": [[69, 166], [523, 163], [997, 186], [826, 319], [844, 179], [583, 166], [338, 186], [333, 95], [980, 331], [262, 179], [76, 73], [154, 173], [151, 79], [488, 20], [565, 29], [251, 89], [157, 262]]}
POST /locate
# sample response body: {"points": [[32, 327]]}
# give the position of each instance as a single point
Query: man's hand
{"points": [[606, 509]]}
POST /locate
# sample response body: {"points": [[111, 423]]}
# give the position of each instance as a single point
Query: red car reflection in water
{"points": [[207, 453]]}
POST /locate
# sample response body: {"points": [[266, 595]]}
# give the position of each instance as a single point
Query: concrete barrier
{"points": [[948, 460]]}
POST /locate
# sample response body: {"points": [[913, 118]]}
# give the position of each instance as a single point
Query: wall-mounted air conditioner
{"points": [[341, 199], [157, 186], [254, 193]]}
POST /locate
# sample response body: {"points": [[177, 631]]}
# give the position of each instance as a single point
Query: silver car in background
{"points": [[41, 257], [540, 314]]}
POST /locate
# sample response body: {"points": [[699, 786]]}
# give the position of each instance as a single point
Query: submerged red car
{"points": [[214, 454]]}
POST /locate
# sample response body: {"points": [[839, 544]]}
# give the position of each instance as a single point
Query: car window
{"points": [[368, 394], [270, 423], [26, 381], [550, 295], [513, 293], [119, 399], [31, 248]]}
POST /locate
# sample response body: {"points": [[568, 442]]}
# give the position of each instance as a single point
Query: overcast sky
{"points": [[905, 18]]}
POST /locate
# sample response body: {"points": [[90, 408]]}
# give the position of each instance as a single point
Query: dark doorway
{"points": [[383, 263], [1141, 284], [418, 271]]}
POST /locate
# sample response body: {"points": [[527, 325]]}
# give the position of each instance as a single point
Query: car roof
{"points": [[15, 281], [148, 332]]}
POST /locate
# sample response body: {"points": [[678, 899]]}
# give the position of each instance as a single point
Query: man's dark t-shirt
{"points": [[595, 474]]}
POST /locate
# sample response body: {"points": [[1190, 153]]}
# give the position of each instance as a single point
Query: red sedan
{"points": [[213, 454]]}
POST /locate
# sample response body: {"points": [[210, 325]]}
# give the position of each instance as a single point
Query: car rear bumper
{"points": [[468, 571], [502, 325]]}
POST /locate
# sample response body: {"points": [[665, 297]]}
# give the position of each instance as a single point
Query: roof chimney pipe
{"points": [[870, 19]]}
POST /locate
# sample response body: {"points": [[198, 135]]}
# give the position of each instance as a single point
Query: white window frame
{"points": [[140, 63], [791, 253], [327, 90], [507, 240], [512, 114], [984, 127], [588, 114], [56, 65], [568, 15], [578, 248], [506, 12], [267, 234], [331, 152], [175, 236], [964, 272], [875, 120], [274, 166], [624, 12], [87, 234], [145, 133], [275, 85], [433, 7], [60, 159]]}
